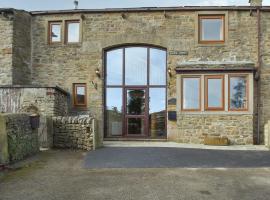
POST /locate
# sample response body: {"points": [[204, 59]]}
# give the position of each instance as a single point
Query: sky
{"points": [[32, 5]]}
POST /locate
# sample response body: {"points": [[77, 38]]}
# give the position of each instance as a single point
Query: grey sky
{"points": [[88, 4]]}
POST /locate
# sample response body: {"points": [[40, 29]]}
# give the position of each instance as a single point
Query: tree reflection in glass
{"points": [[135, 102], [238, 99]]}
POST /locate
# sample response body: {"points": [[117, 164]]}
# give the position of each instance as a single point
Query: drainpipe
{"points": [[258, 73]]}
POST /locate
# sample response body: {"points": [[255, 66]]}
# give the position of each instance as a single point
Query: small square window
{"points": [[191, 94], [211, 29], [79, 92], [72, 31], [238, 92], [214, 93], [55, 29]]}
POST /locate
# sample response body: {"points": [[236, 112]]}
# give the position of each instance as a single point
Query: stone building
{"points": [[178, 73]]}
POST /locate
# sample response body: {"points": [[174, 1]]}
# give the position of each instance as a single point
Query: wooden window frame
{"points": [[75, 103], [229, 91], [200, 29], [50, 23], [207, 108], [67, 22], [182, 93]]}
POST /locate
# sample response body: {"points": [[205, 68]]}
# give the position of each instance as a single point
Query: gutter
{"points": [[258, 73]]}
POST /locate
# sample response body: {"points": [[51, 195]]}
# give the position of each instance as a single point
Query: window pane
{"points": [[135, 102], [214, 93], [157, 112], [191, 93], [135, 126], [238, 96], [157, 67], [55, 32], [73, 32], [212, 29], [114, 111], [115, 67], [80, 94], [136, 66]]}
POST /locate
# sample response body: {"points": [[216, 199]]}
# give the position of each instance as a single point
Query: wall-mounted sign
{"points": [[172, 115], [178, 53]]}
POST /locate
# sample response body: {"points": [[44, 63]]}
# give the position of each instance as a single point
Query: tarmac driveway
{"points": [[163, 157], [61, 175]]}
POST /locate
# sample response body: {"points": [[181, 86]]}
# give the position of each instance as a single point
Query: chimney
{"points": [[76, 3], [255, 2]]}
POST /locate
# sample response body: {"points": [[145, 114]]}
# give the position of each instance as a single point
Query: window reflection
{"points": [[238, 94], [114, 111], [55, 32], [73, 32], [191, 93], [114, 67], [212, 29], [215, 92], [157, 67], [135, 102], [136, 66], [80, 95], [157, 112]]}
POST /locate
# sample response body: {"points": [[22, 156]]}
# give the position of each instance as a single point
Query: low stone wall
{"points": [[17, 138], [47, 101], [267, 134], [192, 128], [74, 132]]}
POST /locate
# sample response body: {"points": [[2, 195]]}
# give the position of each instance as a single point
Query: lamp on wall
{"points": [[170, 71], [97, 71], [124, 16]]}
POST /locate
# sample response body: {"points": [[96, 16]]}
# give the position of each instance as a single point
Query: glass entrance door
{"points": [[135, 92], [135, 111]]}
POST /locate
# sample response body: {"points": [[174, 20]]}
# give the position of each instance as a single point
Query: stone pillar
{"points": [[255, 2]]}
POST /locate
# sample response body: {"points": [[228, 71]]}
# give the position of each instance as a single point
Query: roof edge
{"points": [[151, 9]]}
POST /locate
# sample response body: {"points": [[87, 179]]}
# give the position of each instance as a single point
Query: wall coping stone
{"points": [[35, 86]]}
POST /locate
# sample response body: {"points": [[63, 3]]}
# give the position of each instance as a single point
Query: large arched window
{"points": [[135, 90]]}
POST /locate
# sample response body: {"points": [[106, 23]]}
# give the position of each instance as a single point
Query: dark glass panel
{"points": [[135, 102], [135, 126], [80, 92]]}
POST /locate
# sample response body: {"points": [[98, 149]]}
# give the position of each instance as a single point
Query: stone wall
{"points": [[74, 132], [21, 57], [6, 38], [15, 47], [18, 140], [193, 128], [45, 101]]}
